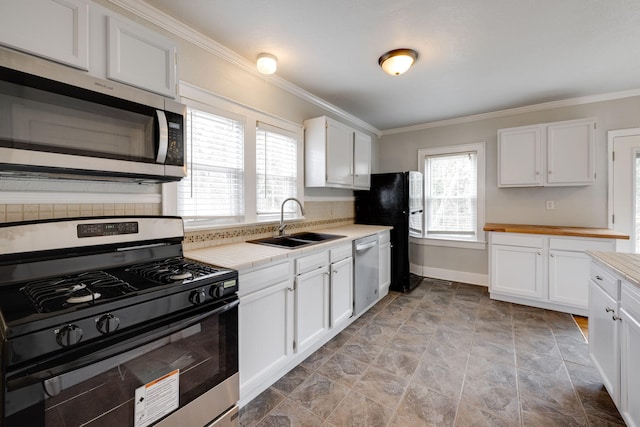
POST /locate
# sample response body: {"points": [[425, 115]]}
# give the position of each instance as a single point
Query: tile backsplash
{"points": [[319, 214]]}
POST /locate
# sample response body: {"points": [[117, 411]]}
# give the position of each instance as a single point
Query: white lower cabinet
{"points": [[384, 259], [311, 317], [604, 345], [630, 348], [265, 319], [341, 285], [544, 271]]}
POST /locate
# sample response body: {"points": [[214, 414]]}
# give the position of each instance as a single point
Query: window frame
{"points": [[198, 98], [479, 240]]}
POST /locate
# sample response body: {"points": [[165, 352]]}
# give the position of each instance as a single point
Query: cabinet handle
{"points": [[599, 278], [552, 255], [335, 271], [609, 310], [615, 318], [537, 172], [549, 172], [539, 253]]}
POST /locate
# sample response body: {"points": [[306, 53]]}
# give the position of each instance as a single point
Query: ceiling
{"points": [[474, 56]]}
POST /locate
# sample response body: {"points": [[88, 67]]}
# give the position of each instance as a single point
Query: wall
{"points": [[199, 66], [574, 206]]}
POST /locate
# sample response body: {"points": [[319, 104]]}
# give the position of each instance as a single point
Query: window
{"points": [[241, 164], [454, 192], [276, 169], [214, 184]]}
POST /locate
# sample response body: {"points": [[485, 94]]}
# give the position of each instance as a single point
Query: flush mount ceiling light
{"points": [[397, 61], [267, 63]]}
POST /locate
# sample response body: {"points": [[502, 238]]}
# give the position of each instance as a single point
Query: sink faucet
{"points": [[282, 224]]}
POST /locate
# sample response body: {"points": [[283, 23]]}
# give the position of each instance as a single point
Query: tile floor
{"points": [[443, 355]]}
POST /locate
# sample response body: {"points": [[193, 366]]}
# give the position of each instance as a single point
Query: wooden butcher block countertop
{"points": [[554, 230]]}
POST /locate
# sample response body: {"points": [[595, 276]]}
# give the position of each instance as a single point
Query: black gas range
{"points": [[80, 298]]}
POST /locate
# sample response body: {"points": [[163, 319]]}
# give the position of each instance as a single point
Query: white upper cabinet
{"points": [[550, 154], [53, 29], [92, 38], [140, 57], [361, 161], [336, 155]]}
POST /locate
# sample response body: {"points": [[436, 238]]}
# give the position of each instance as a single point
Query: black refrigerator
{"points": [[395, 199]]}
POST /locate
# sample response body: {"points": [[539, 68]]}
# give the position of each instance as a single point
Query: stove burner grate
{"points": [[49, 295], [171, 270]]}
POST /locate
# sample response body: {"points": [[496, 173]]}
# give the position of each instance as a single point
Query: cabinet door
{"points": [[265, 321], [56, 30], [520, 157], [140, 57], [569, 277], [517, 271], [603, 338], [629, 372], [341, 291], [311, 307], [570, 153], [361, 161], [339, 154], [385, 269]]}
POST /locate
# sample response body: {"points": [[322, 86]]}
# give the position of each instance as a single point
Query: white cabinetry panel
{"points": [[54, 29], [140, 57]]}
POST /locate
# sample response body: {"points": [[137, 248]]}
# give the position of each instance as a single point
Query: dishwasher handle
{"points": [[364, 246]]}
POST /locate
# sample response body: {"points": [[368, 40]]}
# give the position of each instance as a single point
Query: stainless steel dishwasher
{"points": [[365, 272]]}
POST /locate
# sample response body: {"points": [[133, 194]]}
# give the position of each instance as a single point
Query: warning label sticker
{"points": [[157, 399]]}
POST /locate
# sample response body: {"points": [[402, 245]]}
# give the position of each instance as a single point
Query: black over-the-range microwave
{"points": [[56, 122]]}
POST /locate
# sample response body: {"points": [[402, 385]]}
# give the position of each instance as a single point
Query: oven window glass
{"points": [[103, 394]]}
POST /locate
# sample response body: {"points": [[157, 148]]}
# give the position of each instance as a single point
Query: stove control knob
{"points": [[198, 296], [107, 323], [217, 291], [68, 335]]}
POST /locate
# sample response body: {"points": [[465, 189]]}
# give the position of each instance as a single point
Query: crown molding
{"points": [[513, 111], [168, 23]]}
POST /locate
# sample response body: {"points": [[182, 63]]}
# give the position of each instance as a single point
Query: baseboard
{"points": [[452, 275]]}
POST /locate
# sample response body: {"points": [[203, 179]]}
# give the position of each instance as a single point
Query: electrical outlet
{"points": [[550, 204]]}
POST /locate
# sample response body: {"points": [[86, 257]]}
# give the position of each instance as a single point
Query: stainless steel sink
{"points": [[296, 240]]}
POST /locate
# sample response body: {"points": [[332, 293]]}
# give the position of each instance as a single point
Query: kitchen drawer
{"points": [[581, 244], [630, 299], [606, 280], [261, 278], [341, 252], [515, 239], [311, 262]]}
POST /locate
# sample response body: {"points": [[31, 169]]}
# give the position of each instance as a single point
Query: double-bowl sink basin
{"points": [[296, 240]]}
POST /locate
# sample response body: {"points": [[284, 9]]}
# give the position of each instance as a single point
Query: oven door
{"points": [[183, 372]]}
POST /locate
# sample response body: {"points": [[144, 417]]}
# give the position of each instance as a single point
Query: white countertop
{"points": [[240, 256], [625, 264]]}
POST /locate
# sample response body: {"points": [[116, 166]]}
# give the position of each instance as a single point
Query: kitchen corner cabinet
{"points": [[336, 155], [544, 271], [550, 154], [384, 259], [55, 30]]}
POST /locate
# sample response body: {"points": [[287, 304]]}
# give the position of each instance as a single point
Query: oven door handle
{"points": [[117, 344]]}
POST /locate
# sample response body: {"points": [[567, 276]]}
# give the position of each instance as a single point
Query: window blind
{"points": [[276, 169], [214, 186], [451, 194]]}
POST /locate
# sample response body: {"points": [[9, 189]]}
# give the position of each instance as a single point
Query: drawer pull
{"points": [[599, 278], [615, 318], [609, 310]]}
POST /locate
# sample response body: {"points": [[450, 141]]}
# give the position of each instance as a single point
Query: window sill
{"points": [[449, 243]]}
